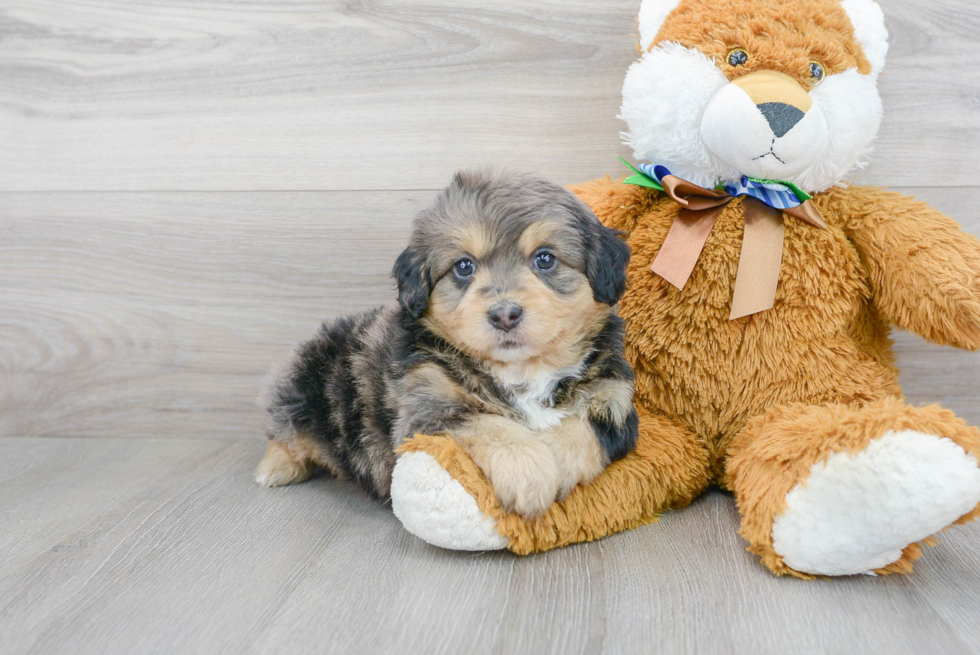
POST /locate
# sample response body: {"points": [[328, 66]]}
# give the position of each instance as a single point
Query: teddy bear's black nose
{"points": [[782, 117]]}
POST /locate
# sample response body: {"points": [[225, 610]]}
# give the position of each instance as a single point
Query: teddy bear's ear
{"points": [[869, 29], [653, 13]]}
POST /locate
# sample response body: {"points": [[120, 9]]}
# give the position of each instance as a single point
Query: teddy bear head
{"points": [[770, 89]]}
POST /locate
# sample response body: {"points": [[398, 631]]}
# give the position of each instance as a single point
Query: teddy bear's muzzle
{"points": [[765, 125]]}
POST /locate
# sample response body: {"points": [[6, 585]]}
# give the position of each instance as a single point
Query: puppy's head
{"points": [[510, 268]]}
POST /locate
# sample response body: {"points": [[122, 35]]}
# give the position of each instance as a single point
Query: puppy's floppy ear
{"points": [[606, 257], [414, 282]]}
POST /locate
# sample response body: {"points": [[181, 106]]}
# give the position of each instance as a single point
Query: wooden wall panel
{"points": [[157, 314], [252, 95]]}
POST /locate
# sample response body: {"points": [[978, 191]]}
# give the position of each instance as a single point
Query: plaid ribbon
{"points": [[763, 205], [775, 193]]}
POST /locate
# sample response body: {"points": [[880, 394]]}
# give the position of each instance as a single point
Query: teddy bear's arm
{"points": [[617, 205], [924, 270]]}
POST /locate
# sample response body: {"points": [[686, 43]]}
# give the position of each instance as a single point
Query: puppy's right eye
{"points": [[464, 268], [545, 260]]}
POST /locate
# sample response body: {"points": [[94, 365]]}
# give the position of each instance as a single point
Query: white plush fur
{"points": [[735, 131], [857, 512], [664, 96], [651, 19], [681, 112], [435, 507], [869, 28], [852, 110]]}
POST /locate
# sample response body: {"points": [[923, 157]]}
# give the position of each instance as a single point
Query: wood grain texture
{"points": [[348, 95], [167, 546], [158, 314], [151, 271]]}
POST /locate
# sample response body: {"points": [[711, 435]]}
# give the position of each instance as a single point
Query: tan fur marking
{"points": [[473, 239], [462, 321], [437, 383], [293, 462], [612, 398], [281, 466], [536, 235], [462, 238]]}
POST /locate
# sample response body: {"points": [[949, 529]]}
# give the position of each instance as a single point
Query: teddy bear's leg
{"points": [[845, 489], [441, 496]]}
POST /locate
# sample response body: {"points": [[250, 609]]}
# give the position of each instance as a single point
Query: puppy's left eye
{"points": [[464, 268], [545, 260]]}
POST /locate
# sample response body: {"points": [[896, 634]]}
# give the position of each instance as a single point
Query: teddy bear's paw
{"points": [[857, 512], [437, 509]]}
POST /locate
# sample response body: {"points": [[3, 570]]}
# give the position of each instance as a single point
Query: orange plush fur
{"points": [[782, 36], [752, 404]]}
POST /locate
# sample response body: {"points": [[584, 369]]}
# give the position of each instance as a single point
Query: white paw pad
{"points": [[857, 512], [437, 509]]}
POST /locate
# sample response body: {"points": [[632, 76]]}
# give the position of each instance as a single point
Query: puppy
{"points": [[504, 338]]}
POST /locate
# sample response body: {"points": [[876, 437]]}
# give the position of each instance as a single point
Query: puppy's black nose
{"points": [[781, 117], [505, 315]]}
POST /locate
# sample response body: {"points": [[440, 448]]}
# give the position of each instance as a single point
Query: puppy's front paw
{"points": [[525, 478], [577, 471], [577, 453]]}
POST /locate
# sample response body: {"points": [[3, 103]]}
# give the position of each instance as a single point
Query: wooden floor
{"points": [[166, 546], [187, 189]]}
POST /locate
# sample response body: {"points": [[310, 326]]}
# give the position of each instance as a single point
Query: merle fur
{"points": [[354, 387]]}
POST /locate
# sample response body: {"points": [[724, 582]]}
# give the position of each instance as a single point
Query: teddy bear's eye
{"points": [[738, 57], [817, 72]]}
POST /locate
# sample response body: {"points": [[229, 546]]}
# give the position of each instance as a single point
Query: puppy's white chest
{"points": [[537, 411], [533, 399]]}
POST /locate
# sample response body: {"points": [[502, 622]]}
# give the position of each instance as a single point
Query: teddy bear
{"points": [[761, 293]]}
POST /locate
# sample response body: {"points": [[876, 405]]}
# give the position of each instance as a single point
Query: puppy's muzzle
{"points": [[505, 315]]}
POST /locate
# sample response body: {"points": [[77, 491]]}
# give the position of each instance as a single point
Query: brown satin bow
{"points": [[762, 242]]}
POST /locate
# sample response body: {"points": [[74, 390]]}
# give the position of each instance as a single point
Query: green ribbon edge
{"points": [[639, 178], [800, 194]]}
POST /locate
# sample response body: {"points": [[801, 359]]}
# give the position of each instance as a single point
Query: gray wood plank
{"points": [[172, 548], [248, 95], [158, 314], [936, 374], [947, 579]]}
